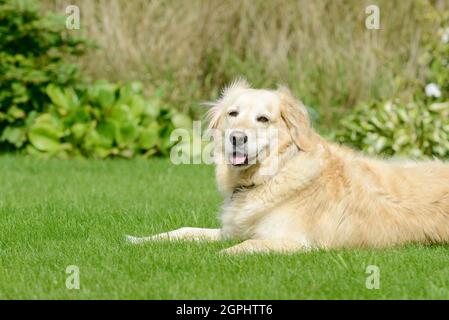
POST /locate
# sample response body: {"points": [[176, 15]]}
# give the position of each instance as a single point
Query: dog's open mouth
{"points": [[238, 159]]}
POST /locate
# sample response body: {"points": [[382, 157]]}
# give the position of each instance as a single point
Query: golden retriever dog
{"points": [[319, 194]]}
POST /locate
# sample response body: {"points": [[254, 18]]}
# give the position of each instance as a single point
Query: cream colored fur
{"points": [[322, 195]]}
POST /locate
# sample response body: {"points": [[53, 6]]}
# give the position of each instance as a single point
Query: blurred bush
{"points": [[394, 128], [103, 120], [33, 53], [419, 128], [47, 108]]}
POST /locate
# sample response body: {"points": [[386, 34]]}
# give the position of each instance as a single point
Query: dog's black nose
{"points": [[238, 138]]}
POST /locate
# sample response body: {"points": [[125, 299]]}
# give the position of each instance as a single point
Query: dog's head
{"points": [[255, 125]]}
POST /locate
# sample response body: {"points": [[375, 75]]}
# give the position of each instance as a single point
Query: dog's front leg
{"points": [[265, 246], [186, 233]]}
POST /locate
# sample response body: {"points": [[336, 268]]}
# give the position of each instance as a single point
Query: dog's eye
{"points": [[233, 114], [262, 119]]}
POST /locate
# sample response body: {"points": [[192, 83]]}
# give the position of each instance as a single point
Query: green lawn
{"points": [[59, 213]]}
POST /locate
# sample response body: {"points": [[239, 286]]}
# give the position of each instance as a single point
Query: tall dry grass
{"points": [[321, 48]]}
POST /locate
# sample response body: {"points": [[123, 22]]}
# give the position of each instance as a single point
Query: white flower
{"points": [[432, 90], [445, 36]]}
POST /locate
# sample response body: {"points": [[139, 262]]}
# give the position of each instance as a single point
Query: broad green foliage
{"points": [[33, 51], [392, 128], [419, 128], [103, 120], [48, 109]]}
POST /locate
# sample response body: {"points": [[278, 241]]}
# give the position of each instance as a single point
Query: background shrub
{"points": [[103, 120], [34, 50], [394, 128], [419, 128], [47, 108]]}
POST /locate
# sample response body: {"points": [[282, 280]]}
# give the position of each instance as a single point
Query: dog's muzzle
{"points": [[239, 156]]}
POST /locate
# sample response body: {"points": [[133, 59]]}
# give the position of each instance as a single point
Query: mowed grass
{"points": [[59, 213]]}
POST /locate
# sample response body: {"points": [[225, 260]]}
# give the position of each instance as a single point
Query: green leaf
{"points": [[106, 97], [181, 121], [126, 134], [107, 130], [45, 133], [137, 106], [149, 137], [16, 112], [97, 143], [14, 135], [128, 91], [79, 130], [120, 113], [44, 138], [102, 93], [58, 97]]}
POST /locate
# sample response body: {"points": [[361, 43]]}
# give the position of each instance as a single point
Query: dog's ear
{"points": [[214, 113], [296, 118]]}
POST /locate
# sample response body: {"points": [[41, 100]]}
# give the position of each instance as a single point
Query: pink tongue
{"points": [[238, 159]]}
